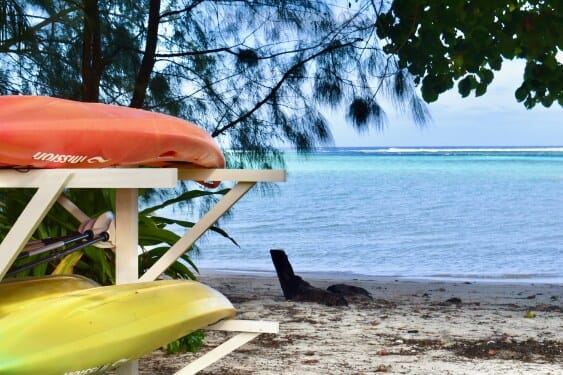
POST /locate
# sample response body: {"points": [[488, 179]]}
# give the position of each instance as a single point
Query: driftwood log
{"points": [[296, 289]]}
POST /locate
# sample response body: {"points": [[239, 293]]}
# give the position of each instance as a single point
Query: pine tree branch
{"points": [[328, 49], [196, 53], [29, 32], [187, 9]]}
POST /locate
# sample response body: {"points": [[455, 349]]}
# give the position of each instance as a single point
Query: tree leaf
{"points": [[464, 86], [521, 93]]}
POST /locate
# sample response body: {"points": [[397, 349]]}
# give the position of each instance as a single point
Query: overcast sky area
{"points": [[494, 119]]}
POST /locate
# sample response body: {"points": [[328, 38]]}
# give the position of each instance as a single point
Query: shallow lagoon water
{"points": [[487, 214]]}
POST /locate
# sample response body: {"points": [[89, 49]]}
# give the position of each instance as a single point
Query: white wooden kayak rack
{"points": [[51, 183]]}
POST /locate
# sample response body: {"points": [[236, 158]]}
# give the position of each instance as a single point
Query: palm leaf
{"points": [[189, 224], [150, 233], [177, 270], [191, 194], [99, 265], [67, 264]]}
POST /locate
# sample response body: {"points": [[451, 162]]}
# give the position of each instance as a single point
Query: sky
{"points": [[494, 119]]}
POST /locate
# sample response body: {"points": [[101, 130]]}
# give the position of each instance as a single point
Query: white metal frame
{"points": [[51, 183]]}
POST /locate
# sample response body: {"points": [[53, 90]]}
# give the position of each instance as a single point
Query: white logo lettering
{"points": [[97, 159], [67, 159], [95, 370]]}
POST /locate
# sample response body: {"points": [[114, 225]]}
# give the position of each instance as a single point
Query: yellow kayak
{"points": [[69, 325]]}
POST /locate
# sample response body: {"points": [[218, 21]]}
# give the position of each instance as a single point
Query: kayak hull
{"points": [[44, 132], [18, 293], [94, 329]]}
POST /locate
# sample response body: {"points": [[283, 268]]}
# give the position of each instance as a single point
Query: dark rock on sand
{"points": [[349, 290]]}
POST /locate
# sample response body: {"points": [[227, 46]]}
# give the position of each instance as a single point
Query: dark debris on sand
{"points": [[503, 347], [527, 351]]}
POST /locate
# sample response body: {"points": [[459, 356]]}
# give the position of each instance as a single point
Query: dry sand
{"points": [[410, 327]]}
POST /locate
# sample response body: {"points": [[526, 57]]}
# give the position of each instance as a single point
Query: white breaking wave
{"points": [[460, 149]]}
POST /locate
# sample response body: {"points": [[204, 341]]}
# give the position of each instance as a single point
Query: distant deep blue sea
{"points": [[446, 213]]}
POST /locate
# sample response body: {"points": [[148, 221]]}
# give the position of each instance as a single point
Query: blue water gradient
{"points": [[446, 213]]}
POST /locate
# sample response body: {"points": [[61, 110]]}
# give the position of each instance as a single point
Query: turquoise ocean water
{"points": [[447, 213]]}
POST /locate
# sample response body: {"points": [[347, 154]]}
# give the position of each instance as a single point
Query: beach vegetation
{"points": [[189, 343], [155, 233]]}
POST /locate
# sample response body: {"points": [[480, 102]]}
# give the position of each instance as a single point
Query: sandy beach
{"points": [[407, 327]]}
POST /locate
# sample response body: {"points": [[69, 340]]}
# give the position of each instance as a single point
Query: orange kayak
{"points": [[44, 132]]}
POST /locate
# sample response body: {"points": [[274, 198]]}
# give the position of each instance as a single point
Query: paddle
{"points": [[87, 230], [41, 246], [90, 232], [102, 237]]}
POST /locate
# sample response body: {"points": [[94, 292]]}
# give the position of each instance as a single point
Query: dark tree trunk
{"points": [[92, 64], [147, 64]]}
